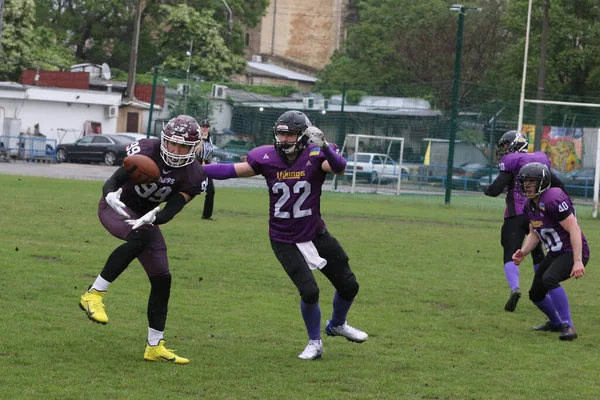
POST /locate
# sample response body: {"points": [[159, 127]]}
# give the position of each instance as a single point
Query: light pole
{"points": [[186, 88], [454, 115], [230, 24]]}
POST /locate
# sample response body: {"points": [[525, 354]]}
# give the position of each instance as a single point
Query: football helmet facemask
{"points": [[537, 172], [182, 129], [291, 122], [511, 142]]}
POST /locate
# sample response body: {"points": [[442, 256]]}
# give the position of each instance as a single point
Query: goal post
{"points": [[571, 138], [374, 163]]}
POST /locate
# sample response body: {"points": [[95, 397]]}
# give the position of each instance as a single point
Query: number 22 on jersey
{"points": [[297, 211]]}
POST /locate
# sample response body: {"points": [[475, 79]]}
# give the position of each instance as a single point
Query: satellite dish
{"points": [[105, 71]]}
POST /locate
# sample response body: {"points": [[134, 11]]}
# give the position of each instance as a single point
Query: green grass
{"points": [[431, 298]]}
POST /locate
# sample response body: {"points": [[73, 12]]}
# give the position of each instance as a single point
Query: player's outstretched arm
{"points": [[496, 187], [228, 171], [115, 181], [112, 193]]}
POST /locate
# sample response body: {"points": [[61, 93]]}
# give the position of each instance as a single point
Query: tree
{"points": [[407, 48], [210, 56], [18, 38], [573, 64]]}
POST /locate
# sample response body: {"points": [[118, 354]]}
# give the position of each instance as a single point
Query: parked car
{"points": [[226, 156], [106, 148], [579, 182], [239, 147], [467, 175], [374, 167], [134, 136]]}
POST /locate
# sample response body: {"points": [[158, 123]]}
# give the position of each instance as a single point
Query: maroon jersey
{"points": [[512, 162], [554, 206], [294, 192], [143, 198]]}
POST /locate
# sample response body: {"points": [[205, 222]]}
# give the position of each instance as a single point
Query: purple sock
{"points": [[561, 303], [547, 308], [311, 313], [535, 267], [340, 310], [511, 270]]}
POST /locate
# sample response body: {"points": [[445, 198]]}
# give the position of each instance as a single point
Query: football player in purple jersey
{"points": [[295, 171], [553, 222], [512, 155], [130, 212]]}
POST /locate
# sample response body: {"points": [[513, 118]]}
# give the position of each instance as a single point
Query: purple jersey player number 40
{"points": [[553, 222], [294, 168]]}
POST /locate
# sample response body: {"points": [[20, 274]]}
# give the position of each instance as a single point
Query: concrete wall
{"points": [[306, 32]]}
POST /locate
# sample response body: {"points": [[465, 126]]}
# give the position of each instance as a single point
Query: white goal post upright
{"points": [[355, 140], [597, 166]]}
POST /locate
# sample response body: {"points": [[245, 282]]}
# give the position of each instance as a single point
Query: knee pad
{"points": [[550, 282], [349, 288], [536, 296], [309, 292]]}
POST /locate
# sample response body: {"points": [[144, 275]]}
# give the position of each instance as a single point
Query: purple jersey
{"points": [[512, 163], [554, 206], [143, 198], [294, 192]]}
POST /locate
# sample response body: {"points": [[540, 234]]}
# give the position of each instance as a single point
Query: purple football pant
{"points": [[154, 257]]}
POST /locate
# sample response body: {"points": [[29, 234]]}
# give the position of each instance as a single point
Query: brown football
{"points": [[141, 169]]}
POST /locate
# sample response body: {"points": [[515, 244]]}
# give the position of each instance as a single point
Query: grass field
{"points": [[431, 298]]}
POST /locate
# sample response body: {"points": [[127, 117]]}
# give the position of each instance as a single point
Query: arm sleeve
{"points": [[336, 161], [173, 206], [496, 187], [117, 179], [220, 171]]}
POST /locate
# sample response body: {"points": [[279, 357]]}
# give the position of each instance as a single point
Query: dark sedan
{"points": [[225, 156], [105, 148]]}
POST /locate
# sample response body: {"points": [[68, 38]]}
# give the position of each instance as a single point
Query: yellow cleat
{"points": [[161, 354], [91, 303]]}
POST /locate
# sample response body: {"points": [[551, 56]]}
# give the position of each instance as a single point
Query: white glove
{"points": [[146, 219], [316, 136], [114, 201]]}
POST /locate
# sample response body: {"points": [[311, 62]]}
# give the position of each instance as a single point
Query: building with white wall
{"points": [[58, 113]]}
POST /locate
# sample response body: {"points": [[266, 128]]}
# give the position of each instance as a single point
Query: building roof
{"points": [[275, 71], [12, 86], [138, 104], [240, 96], [391, 110]]}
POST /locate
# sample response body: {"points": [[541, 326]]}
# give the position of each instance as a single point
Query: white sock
{"points": [[100, 284], [154, 336]]}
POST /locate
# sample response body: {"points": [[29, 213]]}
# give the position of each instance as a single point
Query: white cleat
{"points": [[350, 333], [313, 350]]}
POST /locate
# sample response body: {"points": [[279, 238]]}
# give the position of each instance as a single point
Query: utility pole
{"points": [[539, 109], [154, 79], [186, 89], [455, 87], [229, 36], [134, 49]]}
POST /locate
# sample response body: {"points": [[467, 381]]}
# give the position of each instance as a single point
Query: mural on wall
{"points": [[564, 146]]}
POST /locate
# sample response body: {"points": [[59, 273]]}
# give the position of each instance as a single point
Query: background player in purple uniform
{"points": [[295, 171], [130, 212], [552, 220], [512, 155]]}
